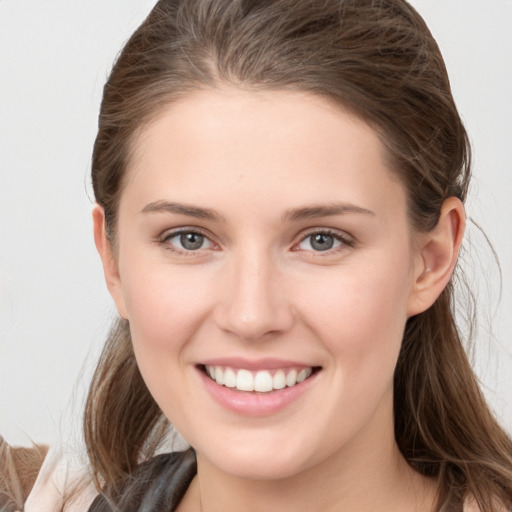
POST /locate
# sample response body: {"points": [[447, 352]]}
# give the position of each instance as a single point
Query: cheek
{"points": [[359, 312], [165, 308], [161, 299]]}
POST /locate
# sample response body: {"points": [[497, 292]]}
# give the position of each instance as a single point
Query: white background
{"points": [[54, 309]]}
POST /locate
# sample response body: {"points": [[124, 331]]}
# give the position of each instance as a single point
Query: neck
{"points": [[367, 474]]}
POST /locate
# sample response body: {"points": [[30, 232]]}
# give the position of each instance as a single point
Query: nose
{"points": [[254, 301]]}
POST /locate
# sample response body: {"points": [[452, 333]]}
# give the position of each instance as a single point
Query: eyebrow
{"points": [[182, 209], [293, 215], [329, 210]]}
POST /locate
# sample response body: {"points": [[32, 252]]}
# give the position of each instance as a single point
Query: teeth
{"points": [[219, 375], [261, 381], [244, 380], [279, 380], [291, 378], [302, 376], [229, 378]]}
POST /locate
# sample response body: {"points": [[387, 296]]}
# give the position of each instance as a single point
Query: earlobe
{"points": [[439, 249], [108, 259]]}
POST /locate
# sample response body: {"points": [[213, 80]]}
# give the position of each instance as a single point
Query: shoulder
{"points": [[19, 469], [60, 486]]}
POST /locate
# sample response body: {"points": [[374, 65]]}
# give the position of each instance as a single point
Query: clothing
{"points": [[60, 475], [158, 485]]}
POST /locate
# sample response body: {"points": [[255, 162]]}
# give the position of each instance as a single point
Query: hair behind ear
{"points": [[122, 422], [443, 425]]}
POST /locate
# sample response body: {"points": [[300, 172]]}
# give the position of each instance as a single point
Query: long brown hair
{"points": [[377, 59], [19, 467]]}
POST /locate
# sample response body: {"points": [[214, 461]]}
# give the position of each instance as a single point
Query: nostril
{"points": [[251, 321]]}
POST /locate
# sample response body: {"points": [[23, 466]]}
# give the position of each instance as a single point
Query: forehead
{"points": [[229, 146]]}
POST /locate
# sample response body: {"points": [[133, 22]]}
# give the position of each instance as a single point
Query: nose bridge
{"points": [[255, 303]]}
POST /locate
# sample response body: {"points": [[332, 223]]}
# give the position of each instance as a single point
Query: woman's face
{"points": [[263, 240]]}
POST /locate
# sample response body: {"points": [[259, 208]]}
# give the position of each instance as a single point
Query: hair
{"points": [[19, 467], [378, 60]]}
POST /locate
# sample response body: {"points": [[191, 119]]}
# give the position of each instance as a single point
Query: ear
{"points": [[108, 259], [438, 252]]}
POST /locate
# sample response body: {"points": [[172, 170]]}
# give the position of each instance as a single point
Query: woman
{"points": [[279, 192]]}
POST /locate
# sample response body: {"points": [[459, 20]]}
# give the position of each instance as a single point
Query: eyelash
{"points": [[165, 239], [345, 241]]}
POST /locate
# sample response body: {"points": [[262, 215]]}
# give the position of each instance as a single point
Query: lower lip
{"points": [[252, 403]]}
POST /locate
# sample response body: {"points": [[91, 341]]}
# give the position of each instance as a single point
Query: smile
{"points": [[262, 381]]}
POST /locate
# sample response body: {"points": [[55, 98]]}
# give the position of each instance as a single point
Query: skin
{"points": [[257, 288]]}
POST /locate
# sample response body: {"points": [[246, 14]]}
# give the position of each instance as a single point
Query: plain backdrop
{"points": [[54, 309]]}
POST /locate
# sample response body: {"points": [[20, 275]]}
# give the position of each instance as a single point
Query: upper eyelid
{"points": [[347, 241], [337, 233], [172, 232], [345, 237]]}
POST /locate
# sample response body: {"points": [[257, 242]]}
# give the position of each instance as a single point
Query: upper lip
{"points": [[255, 364]]}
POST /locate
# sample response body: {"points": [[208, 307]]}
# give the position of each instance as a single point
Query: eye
{"points": [[321, 241], [188, 241]]}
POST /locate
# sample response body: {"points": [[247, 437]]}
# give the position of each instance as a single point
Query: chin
{"points": [[258, 462]]}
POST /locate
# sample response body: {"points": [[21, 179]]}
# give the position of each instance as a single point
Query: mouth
{"points": [[261, 381]]}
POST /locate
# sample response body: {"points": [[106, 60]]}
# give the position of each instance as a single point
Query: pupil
{"points": [[322, 242], [191, 241]]}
